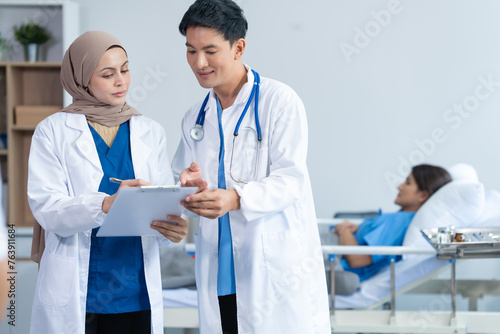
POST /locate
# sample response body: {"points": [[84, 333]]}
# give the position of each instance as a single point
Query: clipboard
{"points": [[134, 209]]}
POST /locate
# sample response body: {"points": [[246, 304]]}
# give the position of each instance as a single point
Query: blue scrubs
{"points": [[385, 230], [116, 282], [226, 282]]}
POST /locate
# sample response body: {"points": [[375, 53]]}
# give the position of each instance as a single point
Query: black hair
{"points": [[430, 178], [225, 16]]}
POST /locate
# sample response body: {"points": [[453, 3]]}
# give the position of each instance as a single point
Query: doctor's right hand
{"points": [[192, 177], [109, 200]]}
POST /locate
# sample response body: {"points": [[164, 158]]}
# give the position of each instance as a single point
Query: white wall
{"points": [[369, 112]]}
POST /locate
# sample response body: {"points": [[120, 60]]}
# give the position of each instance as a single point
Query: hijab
{"points": [[77, 68]]}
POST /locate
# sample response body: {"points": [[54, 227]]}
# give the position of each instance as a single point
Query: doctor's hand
{"points": [[109, 200], [212, 203], [192, 177], [175, 229]]}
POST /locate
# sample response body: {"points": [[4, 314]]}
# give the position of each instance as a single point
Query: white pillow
{"points": [[458, 203], [463, 172], [491, 210]]}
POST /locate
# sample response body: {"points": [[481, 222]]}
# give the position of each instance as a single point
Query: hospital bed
{"points": [[462, 203], [392, 321], [180, 304], [180, 308]]}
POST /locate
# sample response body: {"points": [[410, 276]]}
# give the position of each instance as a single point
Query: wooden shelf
{"points": [[30, 84], [39, 64], [23, 128]]}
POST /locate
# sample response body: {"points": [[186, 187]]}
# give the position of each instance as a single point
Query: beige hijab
{"points": [[77, 68]]}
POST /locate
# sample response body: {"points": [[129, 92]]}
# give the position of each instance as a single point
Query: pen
{"points": [[115, 180]]}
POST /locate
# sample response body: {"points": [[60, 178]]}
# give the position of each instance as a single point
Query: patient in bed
{"points": [[384, 230]]}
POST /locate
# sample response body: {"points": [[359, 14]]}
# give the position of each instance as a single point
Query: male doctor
{"points": [[259, 266]]}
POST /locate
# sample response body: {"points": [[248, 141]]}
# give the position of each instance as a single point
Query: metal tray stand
{"points": [[464, 243]]}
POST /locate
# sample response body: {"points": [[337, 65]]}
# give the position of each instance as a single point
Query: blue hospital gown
{"points": [[385, 230]]}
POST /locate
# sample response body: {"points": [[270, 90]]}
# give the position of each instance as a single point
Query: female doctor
{"points": [[88, 284]]}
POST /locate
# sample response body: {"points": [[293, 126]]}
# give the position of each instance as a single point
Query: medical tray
{"points": [[466, 243]]}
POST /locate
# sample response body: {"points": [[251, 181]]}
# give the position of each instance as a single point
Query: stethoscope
{"points": [[197, 133]]}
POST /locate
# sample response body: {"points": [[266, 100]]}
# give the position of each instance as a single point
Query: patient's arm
{"points": [[346, 238]]}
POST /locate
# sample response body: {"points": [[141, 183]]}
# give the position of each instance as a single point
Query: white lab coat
{"points": [[63, 182], [280, 277]]}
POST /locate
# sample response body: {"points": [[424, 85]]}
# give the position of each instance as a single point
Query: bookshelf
{"points": [[29, 92]]}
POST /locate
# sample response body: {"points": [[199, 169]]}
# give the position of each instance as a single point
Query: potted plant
{"points": [[3, 47], [31, 35]]}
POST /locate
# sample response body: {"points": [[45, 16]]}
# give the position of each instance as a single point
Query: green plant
{"points": [[31, 33]]}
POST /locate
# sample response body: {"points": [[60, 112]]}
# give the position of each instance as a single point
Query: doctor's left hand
{"points": [[109, 200], [212, 203], [175, 229]]}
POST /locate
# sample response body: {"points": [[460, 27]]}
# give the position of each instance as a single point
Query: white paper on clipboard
{"points": [[134, 209]]}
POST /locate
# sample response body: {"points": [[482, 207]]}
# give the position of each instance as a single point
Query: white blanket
{"points": [[180, 298]]}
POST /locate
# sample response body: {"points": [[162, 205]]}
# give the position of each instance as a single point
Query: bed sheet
{"points": [[180, 298], [370, 292]]}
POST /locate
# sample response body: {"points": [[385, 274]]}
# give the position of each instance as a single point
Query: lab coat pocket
{"points": [[283, 254], [57, 280]]}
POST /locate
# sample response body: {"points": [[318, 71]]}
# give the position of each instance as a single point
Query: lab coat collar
{"points": [[246, 90], [76, 121], [79, 122], [84, 143]]}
